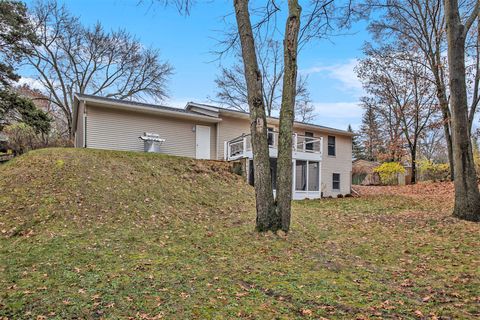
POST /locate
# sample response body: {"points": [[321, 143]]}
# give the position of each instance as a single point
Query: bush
{"points": [[389, 172], [21, 138], [428, 170]]}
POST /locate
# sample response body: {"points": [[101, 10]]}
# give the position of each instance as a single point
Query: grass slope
{"points": [[98, 234]]}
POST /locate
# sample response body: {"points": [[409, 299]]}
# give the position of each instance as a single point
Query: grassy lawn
{"points": [[96, 234]]}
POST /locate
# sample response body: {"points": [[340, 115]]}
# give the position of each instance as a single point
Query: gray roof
{"points": [[187, 111], [133, 103], [277, 118]]}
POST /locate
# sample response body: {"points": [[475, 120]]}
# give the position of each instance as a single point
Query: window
{"points": [[336, 181], [301, 175], [273, 172], [308, 145], [313, 176], [307, 175], [331, 145], [270, 136]]}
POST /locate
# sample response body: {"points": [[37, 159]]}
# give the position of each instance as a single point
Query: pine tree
{"points": [[15, 30], [370, 132], [358, 151]]}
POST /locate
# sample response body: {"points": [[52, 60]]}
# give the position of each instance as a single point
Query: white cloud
{"points": [[338, 114], [31, 82], [342, 72]]}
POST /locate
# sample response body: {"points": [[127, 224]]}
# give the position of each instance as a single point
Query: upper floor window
{"points": [[308, 138], [331, 145]]}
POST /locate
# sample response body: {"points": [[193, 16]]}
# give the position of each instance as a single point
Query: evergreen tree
{"points": [[15, 108], [358, 151], [369, 132], [15, 31]]}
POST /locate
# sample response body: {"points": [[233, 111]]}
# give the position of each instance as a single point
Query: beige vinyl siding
{"points": [[213, 142], [120, 130], [80, 132], [228, 129], [340, 163]]}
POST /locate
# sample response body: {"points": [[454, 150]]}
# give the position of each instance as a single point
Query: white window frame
{"points": [[339, 181]]}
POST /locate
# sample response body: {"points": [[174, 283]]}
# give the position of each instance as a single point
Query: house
{"points": [[322, 156], [363, 174]]}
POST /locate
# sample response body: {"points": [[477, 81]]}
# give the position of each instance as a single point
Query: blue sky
{"points": [[187, 43]]}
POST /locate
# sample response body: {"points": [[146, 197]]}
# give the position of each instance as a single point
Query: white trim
{"points": [[141, 108], [200, 152], [84, 130]]}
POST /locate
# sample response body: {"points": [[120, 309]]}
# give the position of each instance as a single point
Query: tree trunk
{"points": [[448, 137], [70, 128], [287, 114], [443, 101], [267, 218], [467, 196], [414, 163], [442, 98]]}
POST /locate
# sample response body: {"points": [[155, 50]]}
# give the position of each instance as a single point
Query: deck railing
{"points": [[241, 146]]}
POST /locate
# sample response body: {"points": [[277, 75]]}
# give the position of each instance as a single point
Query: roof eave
{"points": [[244, 115], [132, 107]]}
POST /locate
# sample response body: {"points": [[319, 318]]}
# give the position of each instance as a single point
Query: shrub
{"points": [[21, 137], [237, 168], [389, 172], [339, 195], [429, 170]]}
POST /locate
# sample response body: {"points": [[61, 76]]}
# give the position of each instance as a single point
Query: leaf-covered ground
{"points": [[107, 235]]}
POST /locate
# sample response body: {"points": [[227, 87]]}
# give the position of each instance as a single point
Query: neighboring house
{"points": [[322, 156], [363, 174], [59, 126]]}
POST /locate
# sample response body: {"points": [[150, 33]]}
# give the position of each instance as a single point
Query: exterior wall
{"points": [[340, 163], [228, 129], [120, 130], [213, 142], [80, 132]]}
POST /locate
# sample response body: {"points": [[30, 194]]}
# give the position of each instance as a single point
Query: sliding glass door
{"points": [[307, 175]]}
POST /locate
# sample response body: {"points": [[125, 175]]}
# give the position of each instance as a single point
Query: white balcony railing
{"points": [[241, 147]]}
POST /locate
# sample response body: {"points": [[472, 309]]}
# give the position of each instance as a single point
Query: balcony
{"points": [[303, 147]]}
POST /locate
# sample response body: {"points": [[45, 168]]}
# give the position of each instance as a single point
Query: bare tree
{"points": [[71, 58], [287, 113], [420, 25], [267, 216], [320, 18], [232, 89], [467, 196], [432, 144], [231, 84], [401, 87]]}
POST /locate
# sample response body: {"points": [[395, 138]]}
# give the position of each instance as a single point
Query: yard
{"points": [[95, 234]]}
